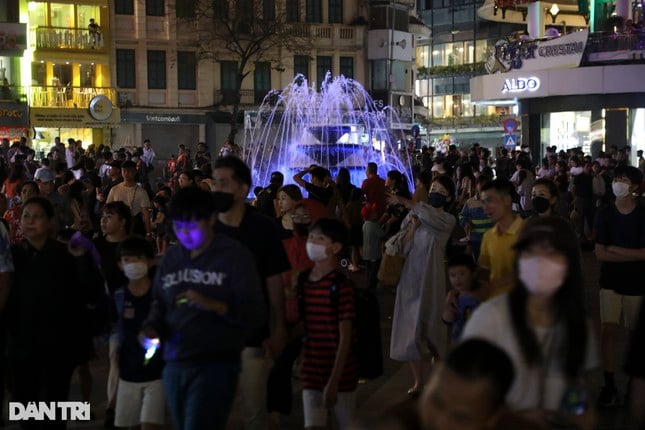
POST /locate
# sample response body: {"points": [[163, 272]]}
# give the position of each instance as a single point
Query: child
{"points": [[207, 297], [329, 367], [463, 298], [140, 397], [373, 234]]}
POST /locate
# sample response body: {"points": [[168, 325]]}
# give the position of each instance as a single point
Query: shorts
{"points": [[139, 402], [316, 414], [614, 305]]}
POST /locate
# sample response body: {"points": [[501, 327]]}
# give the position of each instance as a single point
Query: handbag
{"points": [[389, 271]]}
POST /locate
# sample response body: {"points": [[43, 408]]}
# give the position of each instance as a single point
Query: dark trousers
{"points": [[279, 389], [372, 273], [200, 396], [34, 380]]}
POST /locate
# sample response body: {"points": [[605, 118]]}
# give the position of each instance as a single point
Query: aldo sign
{"points": [[520, 85]]}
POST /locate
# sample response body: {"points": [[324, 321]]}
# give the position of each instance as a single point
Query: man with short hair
{"points": [[266, 200], [468, 389], [374, 188], [136, 197], [317, 187], [620, 247], [497, 254], [260, 234]]}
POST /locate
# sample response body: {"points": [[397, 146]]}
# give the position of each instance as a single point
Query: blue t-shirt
{"points": [[466, 304]]}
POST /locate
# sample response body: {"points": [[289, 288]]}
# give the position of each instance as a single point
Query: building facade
{"points": [[173, 90], [66, 70]]}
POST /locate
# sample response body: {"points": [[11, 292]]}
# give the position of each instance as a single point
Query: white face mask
{"points": [[316, 252], [135, 271], [541, 276], [620, 189]]}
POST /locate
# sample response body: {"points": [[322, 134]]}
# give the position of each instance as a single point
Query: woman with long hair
{"points": [[12, 216], [418, 333], [543, 327]]}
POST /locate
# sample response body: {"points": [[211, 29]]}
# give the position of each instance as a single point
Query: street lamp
{"points": [[554, 11]]}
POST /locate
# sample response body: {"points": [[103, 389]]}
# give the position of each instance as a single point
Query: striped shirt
{"points": [[327, 302]]}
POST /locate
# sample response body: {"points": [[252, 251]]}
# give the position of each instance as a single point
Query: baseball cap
{"points": [[44, 175]]}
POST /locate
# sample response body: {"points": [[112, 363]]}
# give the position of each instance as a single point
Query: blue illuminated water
{"points": [[338, 126]]}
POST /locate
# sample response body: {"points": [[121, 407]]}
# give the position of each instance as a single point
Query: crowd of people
{"points": [[203, 294]]}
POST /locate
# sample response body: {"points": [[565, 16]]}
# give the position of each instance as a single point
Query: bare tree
{"points": [[245, 31]]}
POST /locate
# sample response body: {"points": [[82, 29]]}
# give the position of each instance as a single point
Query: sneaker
{"points": [[608, 396]]}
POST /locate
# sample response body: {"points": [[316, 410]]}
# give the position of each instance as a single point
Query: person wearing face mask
{"points": [[542, 325], [544, 198], [620, 247], [259, 233], [418, 333], [140, 398]]}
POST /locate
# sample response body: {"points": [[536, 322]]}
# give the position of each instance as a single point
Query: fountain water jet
{"points": [[339, 126]]}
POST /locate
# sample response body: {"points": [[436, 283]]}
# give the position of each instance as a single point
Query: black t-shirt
{"points": [[132, 312], [626, 231], [261, 236], [635, 364], [109, 262], [584, 186], [320, 194]]}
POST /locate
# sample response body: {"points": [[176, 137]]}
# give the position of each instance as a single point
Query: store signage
{"points": [[14, 114], [539, 54], [163, 118], [520, 85], [101, 108], [13, 133], [77, 118]]}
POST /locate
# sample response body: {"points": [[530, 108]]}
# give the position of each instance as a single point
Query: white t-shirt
{"points": [[491, 321], [135, 197]]}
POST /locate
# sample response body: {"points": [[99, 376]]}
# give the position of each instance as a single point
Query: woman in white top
{"points": [[542, 325]]}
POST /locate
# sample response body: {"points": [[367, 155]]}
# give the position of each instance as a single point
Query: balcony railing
{"points": [[68, 97], [67, 38], [325, 33]]}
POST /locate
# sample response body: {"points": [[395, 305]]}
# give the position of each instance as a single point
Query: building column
{"points": [[616, 127], [535, 20]]}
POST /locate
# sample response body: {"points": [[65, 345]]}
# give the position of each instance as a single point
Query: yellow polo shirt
{"points": [[498, 256]]}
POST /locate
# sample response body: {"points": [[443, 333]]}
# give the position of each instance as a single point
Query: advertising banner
{"points": [[14, 114]]}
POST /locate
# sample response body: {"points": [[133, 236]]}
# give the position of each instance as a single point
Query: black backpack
{"points": [[368, 347]]}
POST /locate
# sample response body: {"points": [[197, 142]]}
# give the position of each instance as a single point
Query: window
{"points": [[268, 9], [301, 65], [335, 11], [228, 80], [157, 70], [323, 65], [155, 8], [314, 11], [185, 9], [186, 70], [293, 10], [245, 12], [125, 68], [124, 7], [379, 75], [220, 9], [261, 80], [347, 67]]}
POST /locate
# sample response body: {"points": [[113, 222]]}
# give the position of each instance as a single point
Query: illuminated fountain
{"points": [[340, 126]]}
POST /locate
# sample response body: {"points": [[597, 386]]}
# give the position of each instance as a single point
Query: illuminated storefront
{"points": [[69, 68], [14, 117]]}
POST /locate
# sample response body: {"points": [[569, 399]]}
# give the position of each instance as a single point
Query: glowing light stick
{"points": [[151, 346]]}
